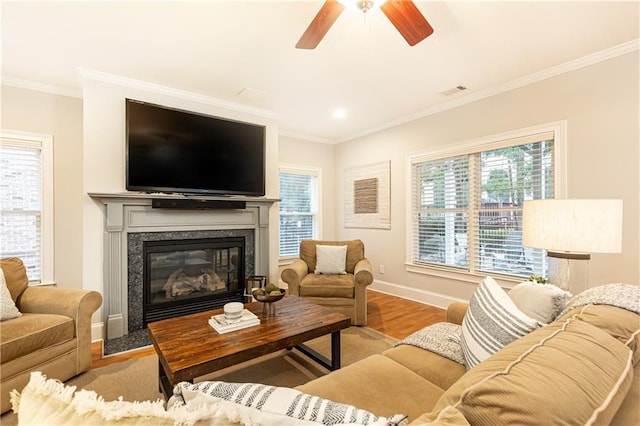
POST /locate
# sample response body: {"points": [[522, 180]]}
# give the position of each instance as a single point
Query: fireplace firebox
{"points": [[181, 277]]}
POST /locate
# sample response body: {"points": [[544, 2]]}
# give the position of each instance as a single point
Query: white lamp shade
{"points": [[573, 226]]}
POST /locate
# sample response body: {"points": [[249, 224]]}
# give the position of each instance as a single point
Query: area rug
{"points": [[137, 379]]}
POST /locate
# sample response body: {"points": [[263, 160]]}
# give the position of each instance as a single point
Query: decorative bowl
{"points": [[233, 310], [268, 298]]}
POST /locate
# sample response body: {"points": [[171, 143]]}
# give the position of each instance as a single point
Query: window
{"points": [[466, 202], [299, 207], [26, 202]]}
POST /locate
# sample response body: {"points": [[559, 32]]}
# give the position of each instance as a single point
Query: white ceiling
{"points": [[219, 48]]}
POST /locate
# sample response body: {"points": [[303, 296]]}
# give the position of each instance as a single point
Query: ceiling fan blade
{"points": [[407, 19], [317, 29]]}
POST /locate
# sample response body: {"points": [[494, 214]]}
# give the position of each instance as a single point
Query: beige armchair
{"points": [[346, 293], [53, 334]]}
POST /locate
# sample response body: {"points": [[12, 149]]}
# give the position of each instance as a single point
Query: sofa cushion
{"points": [[8, 308], [16, 276], [447, 416], [617, 322], [542, 302], [377, 384], [491, 322], [330, 259], [314, 285], [33, 332], [568, 372], [437, 369]]}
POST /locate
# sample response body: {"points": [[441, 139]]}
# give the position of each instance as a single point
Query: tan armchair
{"points": [[346, 293], [53, 334]]}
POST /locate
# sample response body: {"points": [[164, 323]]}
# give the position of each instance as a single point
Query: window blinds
{"points": [[21, 204], [297, 211], [467, 209], [441, 216]]}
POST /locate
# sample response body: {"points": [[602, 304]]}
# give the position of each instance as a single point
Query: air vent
{"points": [[453, 91], [252, 94]]}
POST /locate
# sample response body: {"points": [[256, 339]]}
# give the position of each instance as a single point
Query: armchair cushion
{"points": [[314, 285], [331, 259]]}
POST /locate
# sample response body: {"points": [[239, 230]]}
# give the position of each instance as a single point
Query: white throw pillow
{"points": [[543, 302], [7, 305], [331, 259], [492, 321]]}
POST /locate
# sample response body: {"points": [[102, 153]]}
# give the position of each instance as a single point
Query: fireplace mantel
{"points": [[130, 212]]}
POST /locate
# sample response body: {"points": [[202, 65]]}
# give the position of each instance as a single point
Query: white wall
{"points": [[600, 104]]}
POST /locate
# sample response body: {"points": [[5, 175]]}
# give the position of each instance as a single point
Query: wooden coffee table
{"points": [[188, 347]]}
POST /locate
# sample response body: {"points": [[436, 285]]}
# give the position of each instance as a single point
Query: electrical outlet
{"points": [[382, 269]]}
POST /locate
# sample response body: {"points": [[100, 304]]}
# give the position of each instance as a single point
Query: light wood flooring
{"points": [[391, 315]]}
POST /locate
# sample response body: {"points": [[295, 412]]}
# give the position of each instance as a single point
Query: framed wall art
{"points": [[367, 192]]}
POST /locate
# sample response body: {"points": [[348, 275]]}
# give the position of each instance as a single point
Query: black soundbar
{"points": [[197, 204]]}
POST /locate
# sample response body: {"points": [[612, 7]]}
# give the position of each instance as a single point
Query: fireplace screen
{"points": [[188, 276]]}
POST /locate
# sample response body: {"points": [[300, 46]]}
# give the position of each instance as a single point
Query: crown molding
{"points": [[601, 56], [103, 77], [41, 87], [306, 137]]}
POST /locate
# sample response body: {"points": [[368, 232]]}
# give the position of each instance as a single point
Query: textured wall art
{"points": [[367, 194]]}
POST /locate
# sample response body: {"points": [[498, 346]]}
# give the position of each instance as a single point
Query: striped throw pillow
{"points": [[491, 322], [279, 400]]}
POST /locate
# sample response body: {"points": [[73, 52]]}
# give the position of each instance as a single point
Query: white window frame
{"points": [[43, 142], [317, 202], [487, 143]]}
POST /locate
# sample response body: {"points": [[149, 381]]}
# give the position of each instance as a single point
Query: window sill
{"points": [[43, 284], [463, 276]]}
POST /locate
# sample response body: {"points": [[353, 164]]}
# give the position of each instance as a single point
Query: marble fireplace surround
{"points": [[132, 213]]}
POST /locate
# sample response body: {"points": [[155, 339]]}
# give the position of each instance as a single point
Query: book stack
{"points": [[222, 324]]}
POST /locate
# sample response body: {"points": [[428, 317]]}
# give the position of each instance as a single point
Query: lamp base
{"points": [[571, 274]]}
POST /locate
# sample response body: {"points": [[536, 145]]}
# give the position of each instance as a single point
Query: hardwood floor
{"points": [[398, 317], [391, 315]]}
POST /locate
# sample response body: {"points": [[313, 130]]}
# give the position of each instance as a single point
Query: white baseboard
{"points": [[97, 331], [415, 294]]}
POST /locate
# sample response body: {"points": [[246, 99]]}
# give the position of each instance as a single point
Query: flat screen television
{"points": [[171, 150]]}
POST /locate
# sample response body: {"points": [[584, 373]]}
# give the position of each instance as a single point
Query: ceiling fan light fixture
{"points": [[361, 5], [403, 14], [364, 5]]}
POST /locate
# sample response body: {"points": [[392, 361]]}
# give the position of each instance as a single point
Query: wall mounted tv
{"points": [[170, 150]]}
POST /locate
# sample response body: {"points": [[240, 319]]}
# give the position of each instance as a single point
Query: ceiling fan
{"points": [[403, 14]]}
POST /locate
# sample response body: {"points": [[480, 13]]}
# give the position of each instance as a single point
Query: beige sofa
{"points": [[344, 293], [584, 368], [581, 369], [53, 334]]}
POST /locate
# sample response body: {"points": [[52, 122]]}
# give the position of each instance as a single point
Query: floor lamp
{"points": [[570, 230]]}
